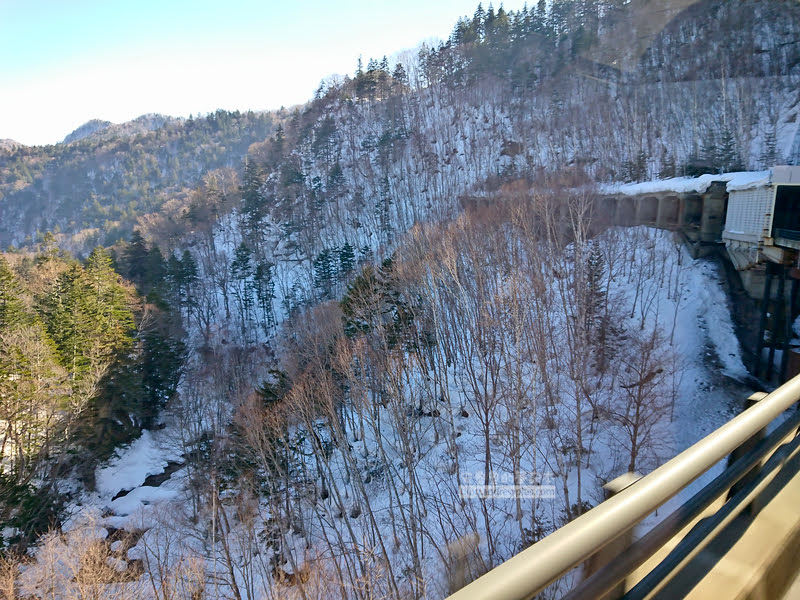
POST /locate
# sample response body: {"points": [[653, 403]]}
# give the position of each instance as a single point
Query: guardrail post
{"points": [[746, 447], [619, 545], [465, 564]]}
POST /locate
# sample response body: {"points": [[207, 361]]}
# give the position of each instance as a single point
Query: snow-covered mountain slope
{"points": [[393, 480], [486, 370]]}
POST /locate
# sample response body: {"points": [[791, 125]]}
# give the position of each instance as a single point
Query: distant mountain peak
{"points": [[8, 144], [87, 129], [106, 129]]}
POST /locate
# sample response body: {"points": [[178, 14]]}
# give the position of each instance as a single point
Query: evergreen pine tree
{"points": [[155, 270], [324, 273], [668, 167], [265, 294], [253, 199], [347, 259], [595, 287], [278, 142], [383, 209], [242, 272], [770, 155], [111, 302], [135, 258], [478, 21], [325, 139], [67, 318], [399, 75], [159, 366], [728, 153], [11, 307], [182, 274], [88, 315], [336, 181]]}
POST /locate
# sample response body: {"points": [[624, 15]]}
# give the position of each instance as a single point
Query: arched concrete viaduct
{"points": [[700, 217]]}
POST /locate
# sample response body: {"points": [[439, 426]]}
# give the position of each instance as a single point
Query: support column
{"points": [[762, 325], [792, 310], [786, 303], [777, 320], [660, 212]]}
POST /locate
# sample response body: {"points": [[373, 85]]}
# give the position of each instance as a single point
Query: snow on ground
{"points": [[144, 496], [712, 374], [121, 499], [697, 320], [699, 324], [705, 333], [130, 467]]}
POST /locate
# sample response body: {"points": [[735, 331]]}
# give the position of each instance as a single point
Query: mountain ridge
{"points": [[655, 120]]}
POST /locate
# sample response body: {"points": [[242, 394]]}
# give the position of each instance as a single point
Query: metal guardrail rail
{"points": [[640, 551], [531, 571]]}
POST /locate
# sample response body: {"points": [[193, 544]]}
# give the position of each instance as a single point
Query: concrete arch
{"points": [[693, 211], [670, 212], [648, 210], [626, 212], [606, 211]]}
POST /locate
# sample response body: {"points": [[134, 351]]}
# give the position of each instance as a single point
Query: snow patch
{"points": [[738, 180], [143, 496], [148, 455], [713, 305]]}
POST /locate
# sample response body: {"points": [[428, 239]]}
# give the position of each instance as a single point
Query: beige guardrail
{"points": [[529, 572]]}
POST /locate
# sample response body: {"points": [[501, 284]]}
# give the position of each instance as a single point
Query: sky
{"points": [[64, 62]]}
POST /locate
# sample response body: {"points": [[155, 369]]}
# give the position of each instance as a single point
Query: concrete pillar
{"points": [[712, 221]]}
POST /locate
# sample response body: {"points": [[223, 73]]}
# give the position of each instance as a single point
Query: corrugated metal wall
{"points": [[750, 214]]}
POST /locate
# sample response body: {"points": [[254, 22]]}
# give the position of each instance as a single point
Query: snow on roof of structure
{"points": [[738, 180], [748, 179]]}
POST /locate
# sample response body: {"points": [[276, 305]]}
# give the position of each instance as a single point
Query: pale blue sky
{"points": [[63, 62]]}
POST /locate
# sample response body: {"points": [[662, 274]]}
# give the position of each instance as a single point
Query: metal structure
{"points": [[762, 220], [531, 571]]}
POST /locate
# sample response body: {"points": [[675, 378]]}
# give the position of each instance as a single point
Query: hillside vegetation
{"points": [[615, 88], [91, 189], [332, 330]]}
